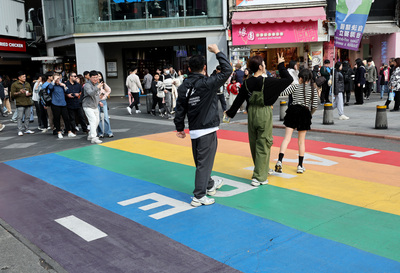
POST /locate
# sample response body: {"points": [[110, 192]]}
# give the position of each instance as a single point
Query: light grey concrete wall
{"points": [[89, 56], [220, 41], [12, 19]]}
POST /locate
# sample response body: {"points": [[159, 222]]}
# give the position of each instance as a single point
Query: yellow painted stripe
{"points": [[351, 168], [352, 191]]}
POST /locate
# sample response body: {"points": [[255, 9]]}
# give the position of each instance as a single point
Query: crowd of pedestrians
{"points": [[60, 105]]}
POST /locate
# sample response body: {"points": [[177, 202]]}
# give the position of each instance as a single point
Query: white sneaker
{"points": [[70, 134], [2, 127], [129, 110], [89, 138], [60, 135], [138, 111], [256, 183], [271, 171], [96, 141], [20, 133], [29, 132], [217, 185], [77, 128], [44, 130], [343, 117], [202, 201], [300, 169]]}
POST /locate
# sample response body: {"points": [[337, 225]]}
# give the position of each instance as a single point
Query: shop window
{"points": [[196, 7], [127, 9], [103, 10]]}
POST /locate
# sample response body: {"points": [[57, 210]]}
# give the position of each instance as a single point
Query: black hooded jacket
{"points": [[197, 98]]}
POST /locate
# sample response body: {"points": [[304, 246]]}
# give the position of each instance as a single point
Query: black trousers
{"points": [[157, 100], [204, 149], [221, 98], [396, 100], [59, 111], [348, 94], [358, 92], [41, 114], [368, 89], [136, 101], [77, 114], [325, 92]]}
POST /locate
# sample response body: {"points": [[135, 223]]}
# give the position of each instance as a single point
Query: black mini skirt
{"points": [[298, 117]]}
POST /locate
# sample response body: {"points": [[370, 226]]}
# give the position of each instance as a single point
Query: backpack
{"points": [[45, 97]]}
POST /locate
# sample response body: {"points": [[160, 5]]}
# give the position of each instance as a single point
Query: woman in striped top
{"points": [[298, 115]]}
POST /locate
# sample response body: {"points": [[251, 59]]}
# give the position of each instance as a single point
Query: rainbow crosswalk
{"points": [[341, 215]]}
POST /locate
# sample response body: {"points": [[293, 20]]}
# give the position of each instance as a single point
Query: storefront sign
{"points": [[12, 45], [274, 33], [351, 17], [242, 3]]}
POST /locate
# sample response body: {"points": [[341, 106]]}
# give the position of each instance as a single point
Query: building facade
{"points": [[268, 27], [13, 36], [113, 35]]}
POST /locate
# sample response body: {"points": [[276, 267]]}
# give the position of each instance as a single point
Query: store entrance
{"points": [[270, 56], [153, 58]]}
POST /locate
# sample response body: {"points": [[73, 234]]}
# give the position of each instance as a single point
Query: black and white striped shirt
{"points": [[298, 95]]}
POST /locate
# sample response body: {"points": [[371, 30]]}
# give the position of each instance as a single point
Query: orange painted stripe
{"points": [[347, 167]]}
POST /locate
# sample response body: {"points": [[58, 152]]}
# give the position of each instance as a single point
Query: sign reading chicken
{"points": [[351, 16]]}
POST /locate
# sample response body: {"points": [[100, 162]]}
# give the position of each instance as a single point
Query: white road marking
{"points": [[356, 154], [240, 187], [161, 200], [20, 145], [81, 228], [283, 175]]}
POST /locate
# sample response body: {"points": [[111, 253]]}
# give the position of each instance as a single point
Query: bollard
{"points": [[381, 117], [283, 109], [328, 114]]}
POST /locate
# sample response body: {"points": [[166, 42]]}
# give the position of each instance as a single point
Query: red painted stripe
{"points": [[317, 147]]}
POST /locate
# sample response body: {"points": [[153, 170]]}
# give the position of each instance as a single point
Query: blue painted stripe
{"points": [[244, 241]]}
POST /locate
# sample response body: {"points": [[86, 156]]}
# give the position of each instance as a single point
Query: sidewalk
{"points": [[361, 122]]}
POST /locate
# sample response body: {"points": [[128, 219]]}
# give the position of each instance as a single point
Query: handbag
{"points": [[391, 96], [319, 81]]}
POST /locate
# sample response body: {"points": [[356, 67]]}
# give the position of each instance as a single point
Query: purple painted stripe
{"points": [[30, 205]]}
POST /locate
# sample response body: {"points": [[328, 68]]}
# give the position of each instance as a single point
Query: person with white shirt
{"points": [[197, 98]]}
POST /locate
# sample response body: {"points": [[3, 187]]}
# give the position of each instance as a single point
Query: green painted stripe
{"points": [[368, 230]]}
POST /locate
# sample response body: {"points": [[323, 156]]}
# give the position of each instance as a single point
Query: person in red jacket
{"points": [[233, 90]]}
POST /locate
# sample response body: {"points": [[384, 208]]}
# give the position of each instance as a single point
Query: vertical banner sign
{"points": [[351, 16]]}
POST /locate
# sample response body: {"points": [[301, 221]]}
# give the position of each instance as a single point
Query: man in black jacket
{"points": [[197, 98]]}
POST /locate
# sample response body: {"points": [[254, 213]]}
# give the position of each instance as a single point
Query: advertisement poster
{"points": [[351, 16], [243, 3]]}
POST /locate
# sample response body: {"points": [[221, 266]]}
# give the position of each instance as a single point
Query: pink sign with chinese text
{"points": [[277, 33]]}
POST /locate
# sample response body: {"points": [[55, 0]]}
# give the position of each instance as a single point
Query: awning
{"points": [[279, 16], [380, 28], [14, 56]]}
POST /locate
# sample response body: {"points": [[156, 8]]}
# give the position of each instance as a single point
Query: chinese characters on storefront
{"points": [[274, 33]]}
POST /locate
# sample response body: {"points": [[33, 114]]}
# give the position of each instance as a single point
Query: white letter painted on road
{"points": [[81, 228], [313, 160], [161, 200], [240, 187], [357, 154], [283, 175]]}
